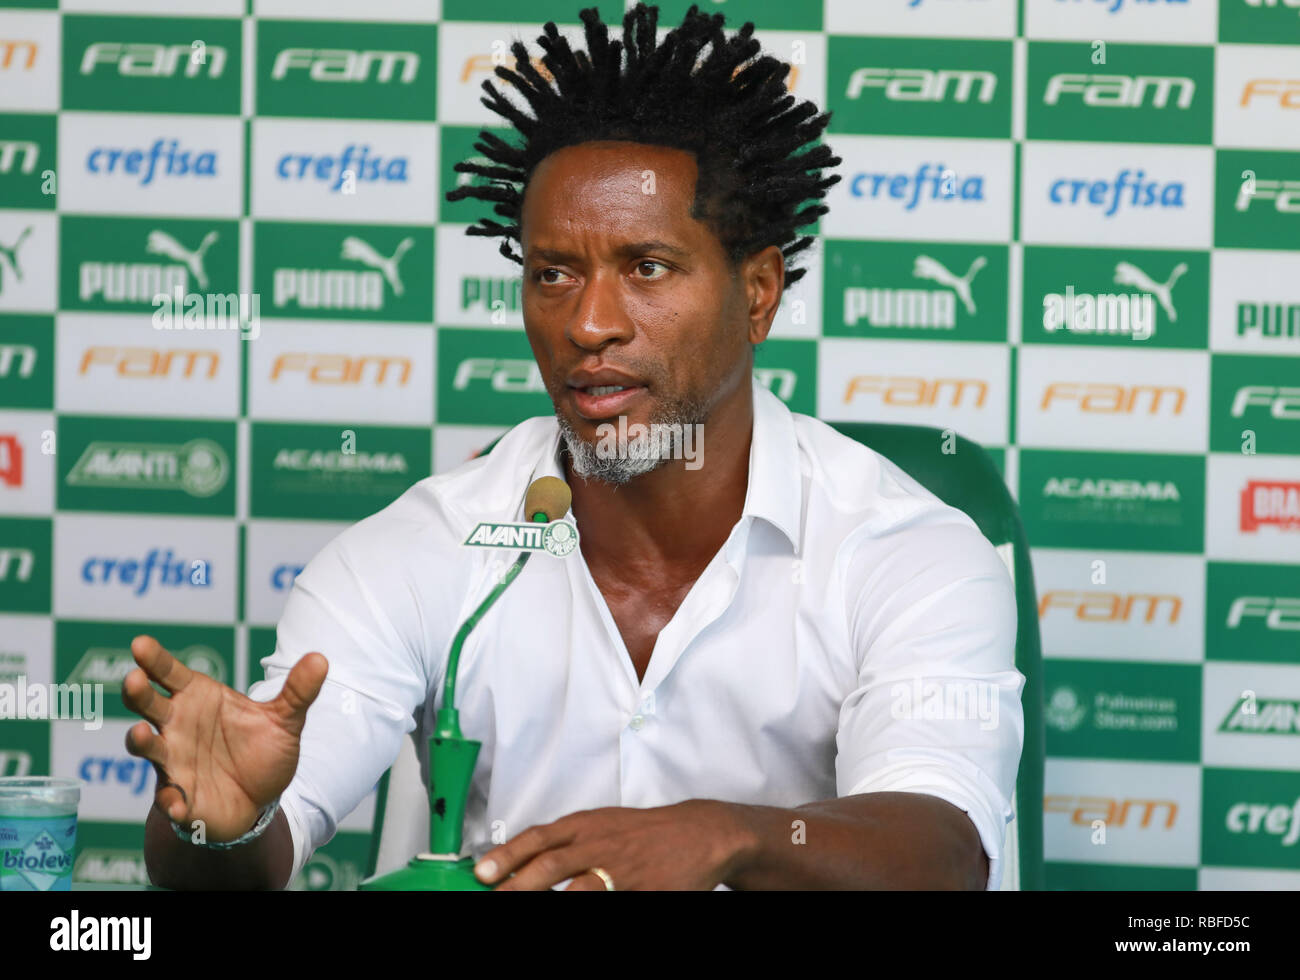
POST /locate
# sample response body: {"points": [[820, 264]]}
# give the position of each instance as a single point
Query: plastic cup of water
{"points": [[38, 832]]}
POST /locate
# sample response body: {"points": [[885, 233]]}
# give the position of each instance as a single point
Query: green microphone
{"points": [[451, 755]]}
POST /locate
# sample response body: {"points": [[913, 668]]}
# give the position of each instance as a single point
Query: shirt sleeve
{"points": [[936, 709], [374, 621]]}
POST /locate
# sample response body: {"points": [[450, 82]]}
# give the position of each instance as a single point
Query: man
{"points": [[714, 690]]}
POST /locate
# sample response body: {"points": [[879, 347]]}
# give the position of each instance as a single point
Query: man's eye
{"points": [[651, 262], [543, 272]]}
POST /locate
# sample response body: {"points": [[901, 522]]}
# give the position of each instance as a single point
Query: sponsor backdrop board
{"points": [[1068, 230]]}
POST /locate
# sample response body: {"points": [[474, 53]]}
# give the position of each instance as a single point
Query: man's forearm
{"points": [[261, 864], [866, 841]]}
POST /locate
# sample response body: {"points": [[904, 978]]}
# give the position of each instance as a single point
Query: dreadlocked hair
{"points": [[740, 122]]}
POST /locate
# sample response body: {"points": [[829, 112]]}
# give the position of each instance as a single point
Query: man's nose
{"points": [[600, 316]]}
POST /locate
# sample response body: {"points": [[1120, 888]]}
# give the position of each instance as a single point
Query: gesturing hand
{"points": [[220, 756]]}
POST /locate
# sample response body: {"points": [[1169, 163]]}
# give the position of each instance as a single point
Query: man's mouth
{"points": [[596, 402]]}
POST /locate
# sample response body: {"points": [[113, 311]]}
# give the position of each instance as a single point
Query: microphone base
{"points": [[429, 873]]}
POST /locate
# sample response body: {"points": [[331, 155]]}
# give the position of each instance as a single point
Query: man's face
{"points": [[623, 289]]}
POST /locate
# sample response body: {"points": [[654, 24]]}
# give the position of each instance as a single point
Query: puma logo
{"points": [[1127, 274], [933, 269], [9, 254], [360, 251], [161, 243]]}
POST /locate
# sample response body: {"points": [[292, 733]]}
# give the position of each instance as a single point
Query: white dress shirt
{"points": [[836, 644]]}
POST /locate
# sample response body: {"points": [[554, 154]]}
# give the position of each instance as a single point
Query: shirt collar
{"points": [[775, 491]]}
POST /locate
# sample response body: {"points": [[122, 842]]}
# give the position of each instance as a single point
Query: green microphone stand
{"points": [[451, 770]]}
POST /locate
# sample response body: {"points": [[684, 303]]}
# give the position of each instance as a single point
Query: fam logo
{"points": [[1281, 402], [343, 171], [1084, 810], [155, 60], [916, 392], [149, 362], [937, 184], [924, 84], [343, 369], [1286, 92], [1113, 399], [17, 55], [505, 375], [923, 308], [1276, 612], [140, 575], [1285, 194], [165, 158], [1132, 314], [10, 149], [16, 564], [199, 468], [1270, 502], [1112, 607], [344, 289], [1120, 91], [341, 65], [1128, 189]]}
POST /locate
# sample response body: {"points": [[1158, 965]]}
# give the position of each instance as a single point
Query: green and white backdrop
{"points": [[1067, 229]]}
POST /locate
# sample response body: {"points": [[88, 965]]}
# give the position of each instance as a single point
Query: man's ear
{"points": [[764, 276]]}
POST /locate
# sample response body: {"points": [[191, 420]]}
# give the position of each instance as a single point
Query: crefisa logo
{"points": [[164, 158]]}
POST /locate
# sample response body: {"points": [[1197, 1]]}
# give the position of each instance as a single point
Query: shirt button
{"points": [[636, 722]]}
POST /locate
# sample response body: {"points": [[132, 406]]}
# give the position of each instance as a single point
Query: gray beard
{"points": [[634, 458]]}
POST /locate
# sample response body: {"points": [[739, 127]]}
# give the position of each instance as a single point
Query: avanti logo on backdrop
{"points": [[199, 467], [1252, 715], [99, 653], [164, 158]]}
